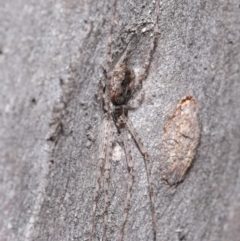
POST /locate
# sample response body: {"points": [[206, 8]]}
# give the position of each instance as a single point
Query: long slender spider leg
{"points": [[109, 50], [130, 165], [99, 171], [107, 169], [153, 44], [144, 153]]}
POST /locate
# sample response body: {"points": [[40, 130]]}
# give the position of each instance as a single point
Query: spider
{"points": [[120, 87]]}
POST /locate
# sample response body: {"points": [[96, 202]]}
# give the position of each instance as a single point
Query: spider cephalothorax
{"points": [[119, 115]]}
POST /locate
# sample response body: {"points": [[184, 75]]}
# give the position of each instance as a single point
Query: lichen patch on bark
{"points": [[179, 140]]}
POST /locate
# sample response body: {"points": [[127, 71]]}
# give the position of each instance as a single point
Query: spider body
{"points": [[120, 88]]}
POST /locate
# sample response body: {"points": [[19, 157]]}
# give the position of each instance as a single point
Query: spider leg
{"points": [[109, 45], [103, 148], [130, 181], [153, 44], [144, 153], [107, 169], [127, 49]]}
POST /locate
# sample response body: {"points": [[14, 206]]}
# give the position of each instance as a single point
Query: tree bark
{"points": [[52, 55]]}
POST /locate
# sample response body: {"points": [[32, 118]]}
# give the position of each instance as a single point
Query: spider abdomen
{"points": [[121, 84]]}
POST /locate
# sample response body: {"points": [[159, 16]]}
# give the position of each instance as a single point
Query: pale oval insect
{"points": [[179, 140]]}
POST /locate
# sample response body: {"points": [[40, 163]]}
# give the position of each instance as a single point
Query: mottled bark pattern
{"points": [[179, 140]]}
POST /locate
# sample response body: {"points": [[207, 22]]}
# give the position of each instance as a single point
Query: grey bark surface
{"points": [[51, 59]]}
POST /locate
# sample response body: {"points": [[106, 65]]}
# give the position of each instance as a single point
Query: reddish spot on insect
{"points": [[179, 140]]}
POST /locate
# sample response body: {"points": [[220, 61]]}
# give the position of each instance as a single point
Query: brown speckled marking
{"points": [[179, 140]]}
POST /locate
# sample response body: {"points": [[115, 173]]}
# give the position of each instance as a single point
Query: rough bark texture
{"points": [[51, 58]]}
